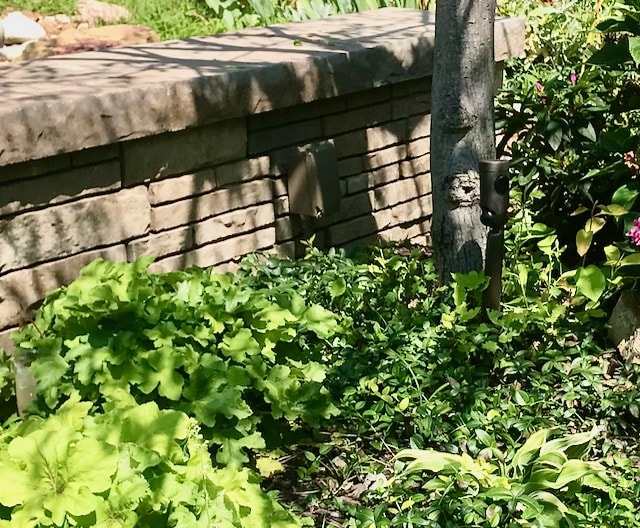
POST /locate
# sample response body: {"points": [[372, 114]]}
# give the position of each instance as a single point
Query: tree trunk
{"points": [[462, 130]]}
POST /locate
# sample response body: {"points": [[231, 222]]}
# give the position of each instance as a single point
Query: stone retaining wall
{"points": [[182, 149]]}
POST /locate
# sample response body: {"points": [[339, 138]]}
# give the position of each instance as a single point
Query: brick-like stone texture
{"points": [[59, 187], [366, 116], [34, 168], [81, 102], [21, 289], [288, 228], [400, 191], [363, 141], [281, 205], [369, 97], [211, 204], [288, 135], [349, 166], [414, 166], [385, 156], [418, 127], [411, 105], [89, 156], [304, 112], [71, 228], [356, 184], [234, 223], [244, 170], [219, 252], [207, 180], [177, 152], [179, 187], [163, 244], [421, 85], [364, 227], [419, 147], [286, 250]]}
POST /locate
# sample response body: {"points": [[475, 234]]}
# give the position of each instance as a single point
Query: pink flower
{"points": [[630, 160], [539, 87], [573, 78], [634, 233]]}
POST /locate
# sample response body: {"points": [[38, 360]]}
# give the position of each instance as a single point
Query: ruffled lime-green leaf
{"points": [[240, 346], [58, 469], [158, 431], [163, 373], [337, 287], [634, 49], [314, 371], [72, 501], [321, 321], [273, 317]]}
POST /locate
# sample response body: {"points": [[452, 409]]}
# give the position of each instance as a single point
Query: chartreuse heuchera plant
{"points": [[132, 465], [195, 341], [152, 393]]}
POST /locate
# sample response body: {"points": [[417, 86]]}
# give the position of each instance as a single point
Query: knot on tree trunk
{"points": [[461, 189], [455, 116]]}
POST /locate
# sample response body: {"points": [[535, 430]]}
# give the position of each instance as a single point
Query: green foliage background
{"points": [[201, 396]]}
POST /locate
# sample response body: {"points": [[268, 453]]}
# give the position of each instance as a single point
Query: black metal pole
{"points": [[494, 201]]}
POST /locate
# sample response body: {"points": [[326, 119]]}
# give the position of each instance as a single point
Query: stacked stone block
{"points": [[185, 156], [208, 195]]}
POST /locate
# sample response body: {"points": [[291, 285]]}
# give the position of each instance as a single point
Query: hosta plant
{"points": [[531, 488]]}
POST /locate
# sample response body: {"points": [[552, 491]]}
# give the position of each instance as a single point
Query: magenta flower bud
{"points": [[634, 233], [573, 78], [539, 87]]}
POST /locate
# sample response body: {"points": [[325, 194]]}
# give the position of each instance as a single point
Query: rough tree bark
{"points": [[462, 130]]}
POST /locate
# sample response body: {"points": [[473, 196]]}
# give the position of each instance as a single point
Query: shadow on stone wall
{"points": [[100, 98]]}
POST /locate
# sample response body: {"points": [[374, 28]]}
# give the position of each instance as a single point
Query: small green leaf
{"points": [[594, 224], [579, 211], [555, 134], [614, 210], [591, 282], [521, 397], [337, 288], [634, 49], [588, 132], [583, 241], [631, 260], [624, 196], [612, 253]]}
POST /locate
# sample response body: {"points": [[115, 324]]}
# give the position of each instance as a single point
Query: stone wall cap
{"points": [[71, 102]]}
